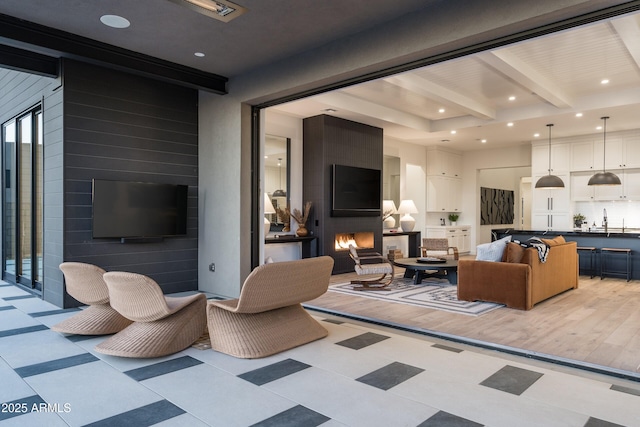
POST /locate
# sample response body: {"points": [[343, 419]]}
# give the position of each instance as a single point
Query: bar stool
{"points": [[611, 252], [592, 257]]}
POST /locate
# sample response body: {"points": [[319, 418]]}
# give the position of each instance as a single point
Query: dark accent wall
{"points": [[329, 140], [119, 126]]}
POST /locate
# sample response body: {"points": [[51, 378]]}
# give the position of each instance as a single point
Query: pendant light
{"points": [[604, 177], [550, 181], [280, 192]]}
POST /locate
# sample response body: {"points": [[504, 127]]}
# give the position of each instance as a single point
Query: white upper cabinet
{"points": [[444, 163], [444, 194], [582, 156], [560, 154]]}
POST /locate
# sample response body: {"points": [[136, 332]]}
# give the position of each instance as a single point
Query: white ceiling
{"points": [[552, 79]]}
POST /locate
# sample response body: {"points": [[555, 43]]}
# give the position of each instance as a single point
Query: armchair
{"points": [[368, 264], [438, 245]]}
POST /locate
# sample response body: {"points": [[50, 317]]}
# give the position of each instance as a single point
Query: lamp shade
{"points": [[268, 206], [389, 207], [550, 181], [604, 178], [407, 207]]}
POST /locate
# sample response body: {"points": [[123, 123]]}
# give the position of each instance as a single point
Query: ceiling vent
{"points": [[219, 9]]}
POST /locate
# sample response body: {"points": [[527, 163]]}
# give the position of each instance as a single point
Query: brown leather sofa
{"points": [[521, 279]]}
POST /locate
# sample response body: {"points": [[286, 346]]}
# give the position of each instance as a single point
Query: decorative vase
{"points": [[302, 230], [389, 222], [454, 223], [286, 227]]}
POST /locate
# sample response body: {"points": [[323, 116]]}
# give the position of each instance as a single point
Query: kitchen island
{"points": [[613, 238]]}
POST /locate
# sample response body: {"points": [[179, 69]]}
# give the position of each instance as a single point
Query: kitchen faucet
{"points": [[605, 223]]}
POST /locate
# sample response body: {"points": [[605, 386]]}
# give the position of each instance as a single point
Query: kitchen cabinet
{"points": [[629, 190], [444, 194], [444, 163], [560, 154], [552, 221], [583, 155], [580, 190], [551, 207], [459, 236]]}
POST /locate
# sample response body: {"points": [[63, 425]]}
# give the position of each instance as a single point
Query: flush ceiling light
{"points": [[221, 10], [604, 177], [115, 21], [550, 181]]}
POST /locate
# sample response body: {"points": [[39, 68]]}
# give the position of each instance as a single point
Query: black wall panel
{"points": [[123, 127], [330, 140]]}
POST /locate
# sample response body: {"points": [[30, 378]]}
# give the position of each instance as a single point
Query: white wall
{"points": [[474, 161], [507, 178]]}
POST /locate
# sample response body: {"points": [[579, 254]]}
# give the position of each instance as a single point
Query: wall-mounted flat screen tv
{"points": [[124, 209], [355, 191]]}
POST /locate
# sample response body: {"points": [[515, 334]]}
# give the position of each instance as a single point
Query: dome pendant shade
{"points": [[550, 181], [604, 178]]}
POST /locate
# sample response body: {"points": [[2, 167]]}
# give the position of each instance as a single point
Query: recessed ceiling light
{"points": [[604, 81], [578, 114], [510, 124], [598, 127], [199, 54], [441, 110], [484, 141], [453, 132], [115, 21], [329, 110], [536, 135], [221, 10], [512, 98]]}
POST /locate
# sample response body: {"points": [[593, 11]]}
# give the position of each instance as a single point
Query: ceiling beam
{"points": [[444, 95], [343, 101], [629, 32], [37, 38], [524, 74], [28, 62]]}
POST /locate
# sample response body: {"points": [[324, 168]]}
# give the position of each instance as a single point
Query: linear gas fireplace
{"points": [[361, 240]]}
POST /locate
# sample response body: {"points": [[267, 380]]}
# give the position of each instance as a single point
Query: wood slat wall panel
{"points": [[125, 127], [330, 140]]}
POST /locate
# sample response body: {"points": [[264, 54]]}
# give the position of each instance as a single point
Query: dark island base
{"points": [[614, 263]]}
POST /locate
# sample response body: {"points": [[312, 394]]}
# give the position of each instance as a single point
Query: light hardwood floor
{"points": [[598, 323]]}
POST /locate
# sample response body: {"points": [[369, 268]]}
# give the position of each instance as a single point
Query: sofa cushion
{"points": [[492, 251], [513, 253], [558, 240]]}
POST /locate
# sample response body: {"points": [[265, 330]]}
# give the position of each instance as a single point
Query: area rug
{"points": [[437, 294]]}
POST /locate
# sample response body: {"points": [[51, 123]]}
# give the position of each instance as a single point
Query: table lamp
{"points": [[407, 222], [388, 209], [268, 209]]}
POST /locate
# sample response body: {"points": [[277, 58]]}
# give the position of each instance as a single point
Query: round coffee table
{"points": [[420, 270]]}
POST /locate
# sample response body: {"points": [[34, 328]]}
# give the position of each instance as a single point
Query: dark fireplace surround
{"points": [[329, 140]]}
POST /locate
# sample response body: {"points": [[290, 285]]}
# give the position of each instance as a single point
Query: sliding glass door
{"points": [[23, 199]]}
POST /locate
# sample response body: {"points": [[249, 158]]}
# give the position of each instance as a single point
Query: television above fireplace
{"points": [[355, 191]]}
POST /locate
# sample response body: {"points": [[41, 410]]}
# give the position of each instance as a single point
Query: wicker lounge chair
{"points": [[162, 325], [267, 318], [84, 282], [440, 246], [368, 264]]}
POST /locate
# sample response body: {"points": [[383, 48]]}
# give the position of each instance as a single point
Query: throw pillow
{"points": [[513, 253], [558, 240], [492, 251]]}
